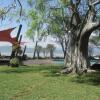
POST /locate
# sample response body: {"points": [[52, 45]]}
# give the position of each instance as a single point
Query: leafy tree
{"points": [[35, 15], [50, 48], [57, 24], [83, 19], [5, 12], [83, 22], [83, 15]]}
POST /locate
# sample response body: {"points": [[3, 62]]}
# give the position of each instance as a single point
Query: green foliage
{"points": [[2, 13], [12, 11], [65, 2], [14, 62], [50, 47], [40, 5], [57, 23], [57, 12], [55, 28], [40, 16], [33, 23], [29, 33], [33, 14], [36, 21]]}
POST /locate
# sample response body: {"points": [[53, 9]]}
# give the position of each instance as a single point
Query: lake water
{"points": [[6, 50], [61, 62]]}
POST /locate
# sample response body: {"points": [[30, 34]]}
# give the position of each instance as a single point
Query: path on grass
{"points": [[38, 62]]}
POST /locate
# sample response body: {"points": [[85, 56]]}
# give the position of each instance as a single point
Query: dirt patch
{"points": [[38, 62]]}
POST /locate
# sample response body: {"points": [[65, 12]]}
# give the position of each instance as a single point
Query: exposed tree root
{"points": [[66, 70]]}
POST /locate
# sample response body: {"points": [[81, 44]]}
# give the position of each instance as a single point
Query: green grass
{"points": [[43, 83]]}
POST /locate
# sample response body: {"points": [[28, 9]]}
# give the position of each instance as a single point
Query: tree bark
{"points": [[76, 59], [34, 55], [51, 53], [38, 54]]}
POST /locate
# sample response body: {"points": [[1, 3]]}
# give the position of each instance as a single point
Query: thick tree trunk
{"points": [[82, 54], [70, 58], [34, 55], [76, 60]]}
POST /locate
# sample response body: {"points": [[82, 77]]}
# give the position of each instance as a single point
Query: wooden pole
{"points": [[20, 39], [20, 27]]}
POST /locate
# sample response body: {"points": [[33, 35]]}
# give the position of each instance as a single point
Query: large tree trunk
{"points": [[76, 59], [81, 53]]}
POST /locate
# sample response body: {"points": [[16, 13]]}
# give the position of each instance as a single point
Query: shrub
{"points": [[14, 62]]}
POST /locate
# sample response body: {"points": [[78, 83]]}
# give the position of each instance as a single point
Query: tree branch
{"points": [[75, 18], [6, 11], [96, 2], [20, 7], [95, 25], [90, 27]]}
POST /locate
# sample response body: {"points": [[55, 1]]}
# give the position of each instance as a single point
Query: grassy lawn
{"points": [[43, 83]]}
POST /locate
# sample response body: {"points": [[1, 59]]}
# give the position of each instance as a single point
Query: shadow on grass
{"points": [[92, 78], [46, 70], [52, 73]]}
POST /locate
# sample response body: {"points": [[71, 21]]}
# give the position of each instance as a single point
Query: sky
{"points": [[6, 24]]}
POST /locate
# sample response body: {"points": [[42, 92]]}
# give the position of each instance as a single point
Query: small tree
{"points": [[50, 48], [56, 26]]}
